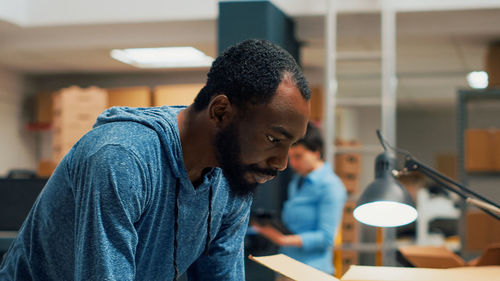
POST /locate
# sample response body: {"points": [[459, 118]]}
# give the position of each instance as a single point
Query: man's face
{"points": [[302, 159], [253, 148]]}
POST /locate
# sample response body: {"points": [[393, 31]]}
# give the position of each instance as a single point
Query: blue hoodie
{"points": [[109, 210]]}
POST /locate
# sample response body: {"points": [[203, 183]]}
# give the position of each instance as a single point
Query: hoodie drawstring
{"points": [[209, 219], [176, 226]]}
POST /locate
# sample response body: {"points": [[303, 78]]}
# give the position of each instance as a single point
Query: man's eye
{"points": [[272, 139]]}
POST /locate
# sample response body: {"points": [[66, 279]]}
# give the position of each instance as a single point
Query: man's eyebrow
{"points": [[283, 131]]}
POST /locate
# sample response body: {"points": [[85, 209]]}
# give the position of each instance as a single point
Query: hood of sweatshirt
{"points": [[163, 120]]}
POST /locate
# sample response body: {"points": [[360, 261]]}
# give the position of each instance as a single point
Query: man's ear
{"points": [[221, 110]]}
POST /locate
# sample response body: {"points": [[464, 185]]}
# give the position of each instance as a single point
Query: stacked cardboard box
{"points": [[493, 64], [482, 150], [440, 257], [45, 168], [481, 231], [348, 235], [348, 165], [179, 94], [317, 104], [74, 112], [44, 108], [131, 96], [348, 168], [350, 226], [349, 257]]}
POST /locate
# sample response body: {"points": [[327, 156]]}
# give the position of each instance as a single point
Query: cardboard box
{"points": [[431, 257], [78, 99], [348, 163], [350, 231], [66, 132], [349, 208], [298, 271], [180, 94], [480, 150], [317, 104], [75, 119], [481, 231], [493, 65], [350, 182], [68, 135], [496, 150], [349, 258], [46, 168], [44, 108], [74, 112], [131, 96], [440, 257], [446, 163], [347, 215]]}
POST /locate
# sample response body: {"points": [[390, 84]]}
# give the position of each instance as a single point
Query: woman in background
{"points": [[313, 210]]}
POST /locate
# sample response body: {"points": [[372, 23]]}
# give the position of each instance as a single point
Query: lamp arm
{"points": [[413, 165], [482, 203]]}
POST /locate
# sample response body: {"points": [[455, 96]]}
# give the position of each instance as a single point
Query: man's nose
{"points": [[280, 160]]}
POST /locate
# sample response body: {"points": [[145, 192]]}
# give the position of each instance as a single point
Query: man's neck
{"points": [[197, 138]]}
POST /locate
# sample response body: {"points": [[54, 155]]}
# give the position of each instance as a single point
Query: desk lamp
{"points": [[386, 203]]}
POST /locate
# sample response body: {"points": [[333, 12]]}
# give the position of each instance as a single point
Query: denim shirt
{"points": [[314, 212]]}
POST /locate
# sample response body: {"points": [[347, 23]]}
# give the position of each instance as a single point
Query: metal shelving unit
{"points": [[386, 103], [465, 98]]}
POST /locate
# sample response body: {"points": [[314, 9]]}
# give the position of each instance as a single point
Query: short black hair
{"points": [[312, 140], [249, 73]]}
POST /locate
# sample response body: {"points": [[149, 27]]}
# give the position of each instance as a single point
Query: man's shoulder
{"points": [[129, 137], [123, 133]]}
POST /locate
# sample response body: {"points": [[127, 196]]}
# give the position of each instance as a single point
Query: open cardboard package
{"points": [[298, 271], [440, 257]]}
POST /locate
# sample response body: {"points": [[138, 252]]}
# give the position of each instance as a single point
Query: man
{"points": [[151, 193], [313, 211]]}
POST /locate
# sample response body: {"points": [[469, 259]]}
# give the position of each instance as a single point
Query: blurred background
{"points": [[58, 71]]}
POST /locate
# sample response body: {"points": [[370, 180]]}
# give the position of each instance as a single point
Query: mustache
{"points": [[267, 172]]}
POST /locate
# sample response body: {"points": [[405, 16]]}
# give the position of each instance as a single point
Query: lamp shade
{"points": [[385, 202]]}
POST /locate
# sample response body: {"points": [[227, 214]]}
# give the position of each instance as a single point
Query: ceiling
{"points": [[434, 49]]}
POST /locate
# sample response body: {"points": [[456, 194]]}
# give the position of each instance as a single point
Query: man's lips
{"points": [[262, 178]]}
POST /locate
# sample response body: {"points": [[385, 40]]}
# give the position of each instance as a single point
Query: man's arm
{"points": [[109, 199], [225, 260]]}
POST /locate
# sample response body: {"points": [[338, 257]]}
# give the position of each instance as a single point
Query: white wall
{"points": [[17, 146], [13, 11]]}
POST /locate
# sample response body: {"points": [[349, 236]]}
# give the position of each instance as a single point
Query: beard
{"points": [[228, 154]]}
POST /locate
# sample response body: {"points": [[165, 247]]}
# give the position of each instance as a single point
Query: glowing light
{"points": [[167, 57], [385, 214]]}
